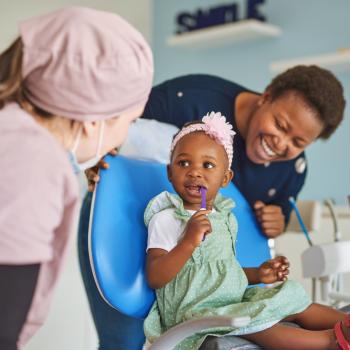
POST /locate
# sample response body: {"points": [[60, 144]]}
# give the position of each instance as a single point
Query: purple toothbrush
{"points": [[203, 191]]}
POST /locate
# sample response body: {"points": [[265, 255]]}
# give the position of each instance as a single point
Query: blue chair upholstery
{"points": [[118, 236]]}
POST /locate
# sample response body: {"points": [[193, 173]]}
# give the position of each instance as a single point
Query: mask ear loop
{"points": [[100, 137], [77, 140]]}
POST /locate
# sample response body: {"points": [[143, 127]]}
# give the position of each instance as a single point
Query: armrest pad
{"points": [[175, 335]]}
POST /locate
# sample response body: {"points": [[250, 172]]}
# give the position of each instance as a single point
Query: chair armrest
{"points": [[175, 335]]}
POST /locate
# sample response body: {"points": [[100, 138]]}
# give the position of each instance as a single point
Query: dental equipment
{"points": [[327, 263], [301, 222]]}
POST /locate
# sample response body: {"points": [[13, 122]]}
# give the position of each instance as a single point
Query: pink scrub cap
{"points": [[216, 127], [85, 64]]}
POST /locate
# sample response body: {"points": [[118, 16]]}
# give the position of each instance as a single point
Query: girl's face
{"points": [[280, 130], [198, 160]]}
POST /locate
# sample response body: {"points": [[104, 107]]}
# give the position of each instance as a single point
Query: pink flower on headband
{"points": [[215, 126], [218, 128]]}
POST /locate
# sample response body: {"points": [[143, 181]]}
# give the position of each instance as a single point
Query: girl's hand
{"points": [[271, 218], [92, 173], [274, 270], [197, 227]]}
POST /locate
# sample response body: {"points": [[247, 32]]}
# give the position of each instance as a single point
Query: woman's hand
{"points": [[92, 173], [274, 270], [197, 228], [271, 218]]}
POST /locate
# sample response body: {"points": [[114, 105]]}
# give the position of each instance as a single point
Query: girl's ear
{"points": [[90, 128], [168, 170], [227, 178]]}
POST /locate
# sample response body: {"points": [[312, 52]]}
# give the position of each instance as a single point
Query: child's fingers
{"points": [[281, 276], [282, 268], [203, 219], [207, 233], [267, 270], [204, 223], [209, 229], [282, 260]]}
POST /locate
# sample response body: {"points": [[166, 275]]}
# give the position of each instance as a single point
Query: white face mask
{"points": [[90, 162]]}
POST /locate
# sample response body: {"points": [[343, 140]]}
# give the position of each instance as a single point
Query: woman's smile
{"points": [[268, 150], [264, 151]]}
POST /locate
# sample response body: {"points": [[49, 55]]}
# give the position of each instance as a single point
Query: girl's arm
{"points": [[252, 274], [163, 266]]}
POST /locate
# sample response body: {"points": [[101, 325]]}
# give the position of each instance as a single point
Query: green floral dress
{"points": [[212, 282]]}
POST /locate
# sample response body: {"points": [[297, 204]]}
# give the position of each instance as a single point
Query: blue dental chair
{"points": [[118, 238]]}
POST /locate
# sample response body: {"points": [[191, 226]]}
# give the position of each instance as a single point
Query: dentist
{"points": [[70, 85]]}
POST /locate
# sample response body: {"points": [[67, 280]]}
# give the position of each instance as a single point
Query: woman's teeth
{"points": [[267, 149]]}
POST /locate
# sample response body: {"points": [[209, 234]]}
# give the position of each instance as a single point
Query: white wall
{"points": [[69, 325], [11, 12]]}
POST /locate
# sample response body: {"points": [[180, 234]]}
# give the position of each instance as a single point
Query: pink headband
{"points": [[215, 126], [85, 64]]}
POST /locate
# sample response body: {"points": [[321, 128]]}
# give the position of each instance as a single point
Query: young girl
{"points": [[192, 265]]}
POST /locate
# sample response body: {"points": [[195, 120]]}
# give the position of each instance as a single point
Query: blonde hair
{"points": [[11, 80]]}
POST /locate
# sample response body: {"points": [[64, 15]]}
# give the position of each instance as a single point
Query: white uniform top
{"points": [[38, 202]]}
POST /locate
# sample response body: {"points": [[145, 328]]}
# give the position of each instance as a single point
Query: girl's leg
{"points": [[317, 317], [290, 338]]}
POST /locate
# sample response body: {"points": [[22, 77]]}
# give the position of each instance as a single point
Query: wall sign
{"points": [[203, 18]]}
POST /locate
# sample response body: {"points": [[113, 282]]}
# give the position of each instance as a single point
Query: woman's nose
{"points": [[280, 144]]}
